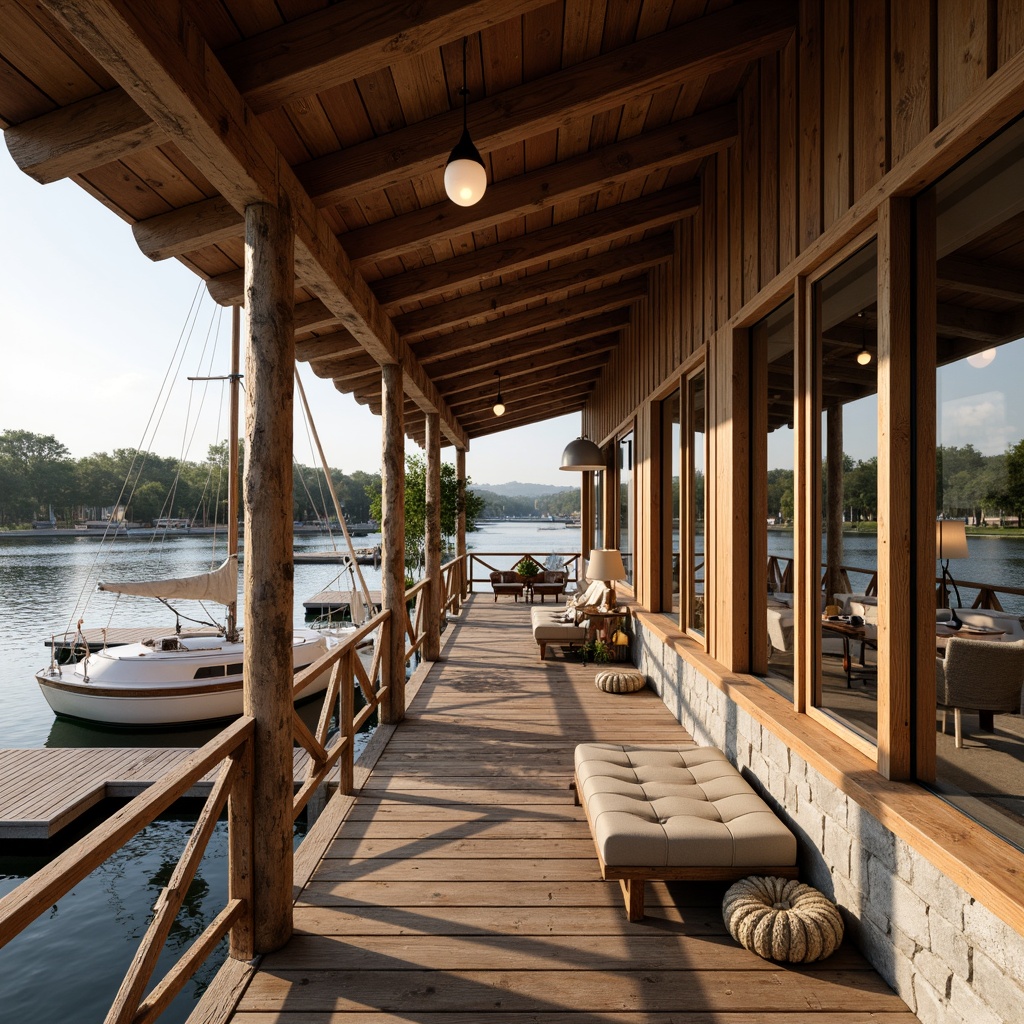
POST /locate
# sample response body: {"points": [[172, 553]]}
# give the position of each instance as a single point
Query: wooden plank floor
{"points": [[44, 789], [463, 880]]}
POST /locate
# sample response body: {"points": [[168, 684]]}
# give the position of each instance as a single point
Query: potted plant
{"points": [[526, 567], [598, 651]]}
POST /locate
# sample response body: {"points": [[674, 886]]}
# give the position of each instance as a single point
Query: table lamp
{"points": [[606, 565], [950, 542]]}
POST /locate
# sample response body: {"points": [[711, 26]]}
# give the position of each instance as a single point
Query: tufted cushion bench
{"points": [[676, 812], [562, 624]]}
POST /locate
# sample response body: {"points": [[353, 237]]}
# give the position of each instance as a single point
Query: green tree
{"points": [[35, 472], [415, 517]]}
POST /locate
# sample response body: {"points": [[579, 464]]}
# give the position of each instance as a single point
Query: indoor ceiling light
{"points": [[465, 179], [981, 359], [582, 454], [864, 356], [499, 405]]}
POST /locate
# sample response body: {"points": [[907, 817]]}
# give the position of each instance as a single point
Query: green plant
{"points": [[526, 567], [597, 651]]}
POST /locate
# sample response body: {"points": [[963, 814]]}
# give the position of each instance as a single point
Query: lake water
{"points": [[68, 964]]}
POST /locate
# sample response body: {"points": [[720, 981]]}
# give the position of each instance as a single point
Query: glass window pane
{"points": [[626, 503], [696, 448]]}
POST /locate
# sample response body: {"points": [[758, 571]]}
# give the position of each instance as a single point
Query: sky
{"points": [[88, 327]]}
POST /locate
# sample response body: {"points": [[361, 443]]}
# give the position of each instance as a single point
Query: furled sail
{"points": [[221, 585]]}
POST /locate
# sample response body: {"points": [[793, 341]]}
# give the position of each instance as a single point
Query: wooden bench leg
{"points": [[633, 893], [543, 648]]}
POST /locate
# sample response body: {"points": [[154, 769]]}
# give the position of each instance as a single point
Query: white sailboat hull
{"points": [[174, 680]]}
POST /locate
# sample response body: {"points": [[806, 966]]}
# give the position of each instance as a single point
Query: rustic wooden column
{"points": [[432, 541], [392, 566], [586, 520], [269, 591], [460, 529]]}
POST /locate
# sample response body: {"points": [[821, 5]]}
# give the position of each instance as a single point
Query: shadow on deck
{"points": [[463, 880]]}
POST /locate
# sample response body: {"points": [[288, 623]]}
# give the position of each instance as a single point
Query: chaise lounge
{"points": [[565, 624]]}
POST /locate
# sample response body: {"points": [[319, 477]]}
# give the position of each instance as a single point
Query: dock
{"points": [[43, 790], [97, 639], [336, 603], [461, 880]]}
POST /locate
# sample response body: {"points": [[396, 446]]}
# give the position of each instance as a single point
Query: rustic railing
{"points": [[232, 750], [569, 562], [780, 580]]}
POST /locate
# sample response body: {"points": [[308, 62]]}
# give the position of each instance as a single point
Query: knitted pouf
{"points": [[620, 682], [782, 919]]}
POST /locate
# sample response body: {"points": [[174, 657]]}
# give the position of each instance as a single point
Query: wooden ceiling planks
{"points": [[594, 120]]}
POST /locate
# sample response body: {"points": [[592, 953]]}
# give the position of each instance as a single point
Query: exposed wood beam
{"points": [[338, 345], [332, 46], [553, 284], [602, 168], [981, 278], [689, 52], [346, 41], [977, 324], [483, 410], [590, 354], [523, 421], [482, 336], [160, 58], [495, 355], [81, 136], [564, 239], [313, 315], [535, 411], [519, 387], [188, 228]]}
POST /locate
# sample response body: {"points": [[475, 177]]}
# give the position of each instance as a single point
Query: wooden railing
{"points": [[330, 745], [570, 563], [780, 580], [232, 750]]}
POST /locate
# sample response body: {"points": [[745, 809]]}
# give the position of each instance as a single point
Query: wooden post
{"points": [[460, 536], [269, 591], [432, 541], [392, 565]]}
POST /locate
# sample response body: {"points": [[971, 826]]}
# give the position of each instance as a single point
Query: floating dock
{"points": [[336, 603], [43, 790]]}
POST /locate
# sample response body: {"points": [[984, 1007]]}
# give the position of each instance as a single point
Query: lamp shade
{"points": [[606, 564], [950, 539], [582, 454], [465, 179]]}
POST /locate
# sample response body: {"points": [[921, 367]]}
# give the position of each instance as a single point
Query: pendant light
{"points": [[864, 356], [465, 179], [582, 454], [499, 405]]}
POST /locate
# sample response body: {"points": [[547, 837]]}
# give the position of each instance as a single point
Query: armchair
{"points": [[507, 582], [980, 675], [550, 581]]}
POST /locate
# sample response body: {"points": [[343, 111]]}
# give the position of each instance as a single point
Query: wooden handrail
{"points": [[571, 565], [230, 749]]}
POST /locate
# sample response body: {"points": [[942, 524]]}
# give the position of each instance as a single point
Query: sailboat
{"points": [[175, 677]]}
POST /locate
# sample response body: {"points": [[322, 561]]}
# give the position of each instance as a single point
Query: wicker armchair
{"points": [[982, 676], [507, 582], [550, 581]]}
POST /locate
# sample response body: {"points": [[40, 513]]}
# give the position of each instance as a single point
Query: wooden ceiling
{"points": [[593, 117]]}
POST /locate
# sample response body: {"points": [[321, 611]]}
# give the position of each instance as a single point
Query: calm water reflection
{"points": [[68, 964]]}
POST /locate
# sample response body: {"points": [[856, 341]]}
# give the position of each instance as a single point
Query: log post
{"points": [[392, 566], [460, 534], [269, 591], [432, 540]]}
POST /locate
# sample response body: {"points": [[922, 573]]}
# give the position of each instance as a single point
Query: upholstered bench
{"points": [[676, 812]]}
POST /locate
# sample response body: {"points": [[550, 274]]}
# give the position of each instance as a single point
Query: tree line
{"points": [[970, 486]]}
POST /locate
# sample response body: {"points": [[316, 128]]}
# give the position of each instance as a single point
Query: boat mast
{"points": [[334, 497], [231, 631]]}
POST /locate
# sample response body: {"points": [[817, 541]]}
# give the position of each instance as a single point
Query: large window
{"points": [[672, 453], [846, 390], [627, 502], [979, 483]]}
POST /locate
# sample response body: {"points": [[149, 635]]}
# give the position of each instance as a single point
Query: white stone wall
{"points": [[949, 959]]}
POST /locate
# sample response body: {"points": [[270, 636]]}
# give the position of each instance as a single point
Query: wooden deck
{"points": [[43, 790], [462, 879]]}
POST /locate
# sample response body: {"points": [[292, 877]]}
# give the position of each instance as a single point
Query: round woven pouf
{"points": [[620, 682], [782, 919]]}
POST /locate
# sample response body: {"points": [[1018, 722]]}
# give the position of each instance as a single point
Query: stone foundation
{"points": [[948, 958]]}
